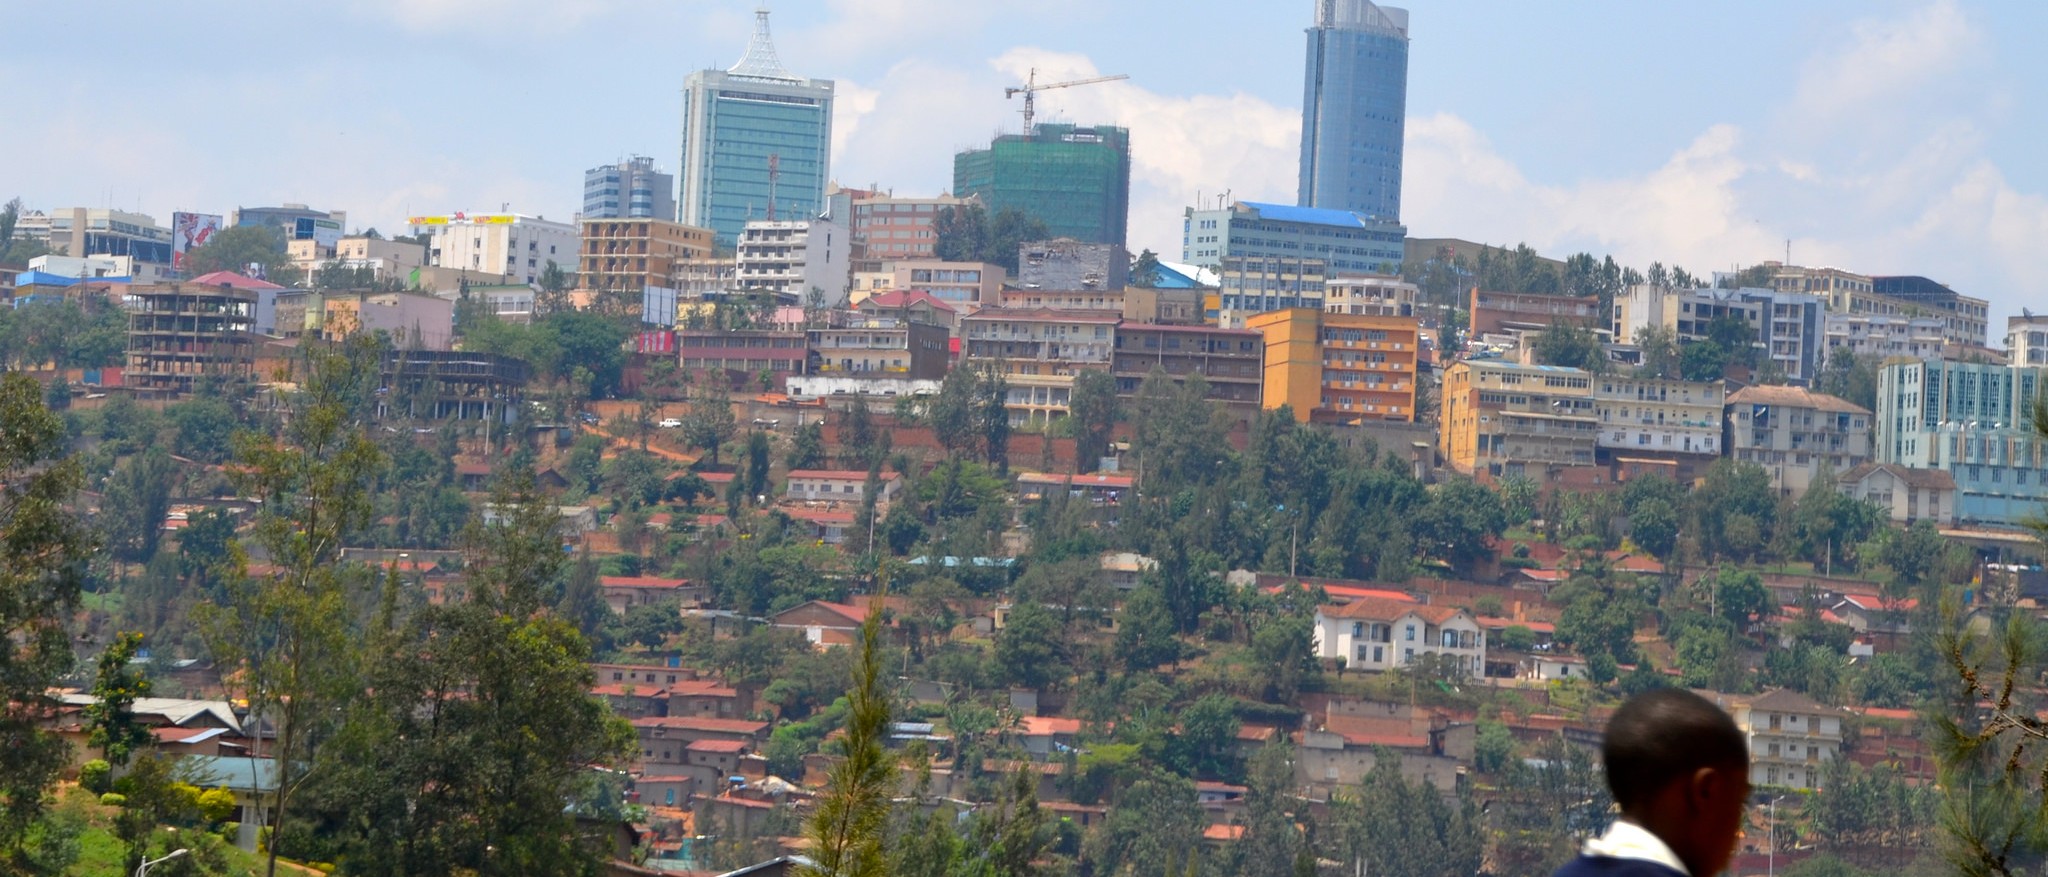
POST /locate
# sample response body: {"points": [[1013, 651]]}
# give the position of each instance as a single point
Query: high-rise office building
{"points": [[1078, 180], [757, 143], [1354, 107], [631, 189]]}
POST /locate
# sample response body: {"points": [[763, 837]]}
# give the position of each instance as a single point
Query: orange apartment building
{"points": [[629, 255], [1339, 368]]}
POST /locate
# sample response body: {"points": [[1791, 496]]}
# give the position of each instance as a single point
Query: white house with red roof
{"points": [[622, 593], [1376, 634], [838, 485]]}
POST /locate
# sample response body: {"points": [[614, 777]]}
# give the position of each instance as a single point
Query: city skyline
{"points": [[1889, 139]]}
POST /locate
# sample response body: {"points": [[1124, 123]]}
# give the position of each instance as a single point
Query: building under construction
{"points": [[180, 333], [1078, 180], [451, 385]]}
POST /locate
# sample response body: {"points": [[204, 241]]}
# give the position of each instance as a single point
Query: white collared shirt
{"points": [[1627, 840]]}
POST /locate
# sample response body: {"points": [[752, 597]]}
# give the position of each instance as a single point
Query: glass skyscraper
{"points": [[753, 134], [1354, 108]]}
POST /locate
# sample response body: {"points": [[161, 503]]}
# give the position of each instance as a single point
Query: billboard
{"points": [[190, 231], [466, 219]]}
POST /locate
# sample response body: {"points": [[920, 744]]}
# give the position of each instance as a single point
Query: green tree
{"points": [[138, 498], [43, 551], [1461, 516], [710, 423], [1145, 270], [589, 341], [992, 419], [235, 249], [1094, 409], [1145, 636], [1493, 748], [110, 719], [206, 429], [849, 829], [1654, 526], [1273, 844], [1741, 595], [1660, 352], [476, 725], [969, 233], [1570, 346], [286, 634], [807, 447], [1030, 650]]}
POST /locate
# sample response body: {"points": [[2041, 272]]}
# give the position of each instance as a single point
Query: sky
{"points": [[1881, 136]]}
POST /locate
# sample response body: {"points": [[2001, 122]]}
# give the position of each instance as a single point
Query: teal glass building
{"points": [[1354, 109], [757, 142]]}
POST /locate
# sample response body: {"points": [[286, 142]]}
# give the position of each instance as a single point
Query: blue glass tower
{"points": [[757, 143], [1354, 108]]}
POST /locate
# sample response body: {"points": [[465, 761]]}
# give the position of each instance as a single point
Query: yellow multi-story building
{"points": [[1339, 368], [629, 255], [1505, 418]]}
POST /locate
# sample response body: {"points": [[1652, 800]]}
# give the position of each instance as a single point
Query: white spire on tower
{"points": [[760, 61]]}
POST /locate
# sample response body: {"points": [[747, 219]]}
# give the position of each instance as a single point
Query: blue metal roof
{"points": [[43, 278], [1311, 215]]}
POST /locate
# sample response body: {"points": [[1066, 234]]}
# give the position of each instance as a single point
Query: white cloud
{"points": [[1885, 57]]}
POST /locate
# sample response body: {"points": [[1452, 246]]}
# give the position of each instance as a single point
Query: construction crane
{"points": [[1031, 88]]}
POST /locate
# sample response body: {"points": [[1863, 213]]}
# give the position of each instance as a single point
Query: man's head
{"points": [[1679, 767]]}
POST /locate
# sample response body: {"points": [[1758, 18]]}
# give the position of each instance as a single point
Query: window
{"points": [[1410, 636]]}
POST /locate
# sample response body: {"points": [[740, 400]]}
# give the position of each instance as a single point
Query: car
{"points": [[589, 418], [671, 423]]}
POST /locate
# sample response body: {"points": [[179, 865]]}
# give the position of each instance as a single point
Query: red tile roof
{"points": [[696, 723], [642, 582], [1096, 480], [1373, 609], [1505, 623], [837, 475], [732, 746], [230, 278], [1046, 726], [1793, 397], [899, 297]]}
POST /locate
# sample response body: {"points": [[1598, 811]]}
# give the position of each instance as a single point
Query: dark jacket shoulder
{"points": [[1603, 866]]}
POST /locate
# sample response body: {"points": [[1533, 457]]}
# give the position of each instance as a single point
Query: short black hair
{"points": [[1661, 735]]}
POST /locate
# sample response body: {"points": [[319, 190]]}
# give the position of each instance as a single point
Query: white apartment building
{"points": [[2026, 339], [794, 256], [512, 244], [1377, 634], [1656, 415], [1880, 337], [1791, 736], [1793, 433], [1372, 295], [1040, 350]]}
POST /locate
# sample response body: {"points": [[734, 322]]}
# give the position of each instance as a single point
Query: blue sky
{"points": [[1884, 136]]}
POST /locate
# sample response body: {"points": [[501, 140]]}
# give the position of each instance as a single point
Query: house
{"points": [[1907, 494], [1101, 488], [1342, 746], [1045, 736], [622, 593], [828, 526], [824, 623], [252, 780], [838, 485], [1868, 614], [1124, 569], [1791, 736], [1377, 634], [664, 740]]}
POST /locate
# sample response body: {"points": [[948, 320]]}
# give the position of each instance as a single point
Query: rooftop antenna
{"points": [[774, 170]]}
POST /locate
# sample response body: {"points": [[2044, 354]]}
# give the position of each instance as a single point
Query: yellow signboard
{"points": [[466, 219]]}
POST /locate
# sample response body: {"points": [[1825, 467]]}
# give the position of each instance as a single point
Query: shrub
{"points": [[216, 805], [96, 776], [114, 799]]}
